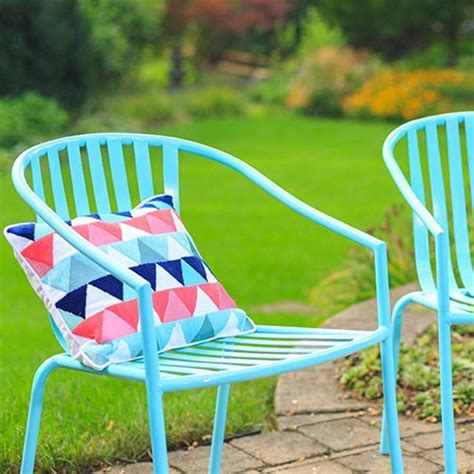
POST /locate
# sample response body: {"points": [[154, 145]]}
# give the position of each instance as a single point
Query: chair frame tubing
{"points": [[436, 292], [155, 386]]}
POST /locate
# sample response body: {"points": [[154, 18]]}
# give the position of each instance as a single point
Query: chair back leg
{"points": [[219, 428], [34, 415], [390, 404], [446, 391]]}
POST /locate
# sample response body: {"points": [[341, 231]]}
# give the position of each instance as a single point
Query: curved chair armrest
{"points": [[407, 192], [426, 218]]}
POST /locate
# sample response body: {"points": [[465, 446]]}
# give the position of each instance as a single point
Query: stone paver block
{"points": [[465, 460], [137, 468], [349, 433], [435, 440], [408, 427], [304, 392], [280, 447], [292, 422], [312, 467], [372, 461], [196, 461]]}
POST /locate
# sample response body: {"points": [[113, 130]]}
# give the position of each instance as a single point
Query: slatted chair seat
{"points": [[270, 350]]}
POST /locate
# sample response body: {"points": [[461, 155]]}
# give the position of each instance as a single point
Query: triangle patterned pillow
{"points": [[96, 313]]}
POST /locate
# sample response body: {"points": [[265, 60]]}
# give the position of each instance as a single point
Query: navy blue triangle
{"points": [[173, 267], [110, 285], [165, 198], [23, 230], [74, 301], [147, 271], [196, 264], [124, 213]]}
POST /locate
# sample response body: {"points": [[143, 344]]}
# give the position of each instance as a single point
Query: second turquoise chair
{"points": [[440, 153]]}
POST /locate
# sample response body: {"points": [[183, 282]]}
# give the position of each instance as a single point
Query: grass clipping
{"points": [[418, 376]]}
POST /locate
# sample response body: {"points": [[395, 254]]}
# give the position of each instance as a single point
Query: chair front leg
{"points": [[396, 333], [390, 405], [446, 389], [34, 415], [219, 428]]}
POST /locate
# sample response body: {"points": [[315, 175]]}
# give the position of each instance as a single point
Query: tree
{"points": [[217, 25], [397, 27], [69, 48]]}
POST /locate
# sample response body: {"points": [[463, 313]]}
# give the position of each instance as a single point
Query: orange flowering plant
{"points": [[409, 94]]}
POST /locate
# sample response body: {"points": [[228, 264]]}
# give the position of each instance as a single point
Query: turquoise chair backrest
{"points": [[440, 151], [99, 172]]}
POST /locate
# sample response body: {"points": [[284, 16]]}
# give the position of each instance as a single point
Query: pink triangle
{"points": [[176, 309], [40, 251], [39, 267], [160, 302], [90, 328], [140, 222], [225, 301], [159, 224], [212, 290], [82, 230], [128, 311], [113, 327], [100, 236], [188, 296]]}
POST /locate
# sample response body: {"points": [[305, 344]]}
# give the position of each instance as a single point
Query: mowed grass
{"points": [[260, 250]]}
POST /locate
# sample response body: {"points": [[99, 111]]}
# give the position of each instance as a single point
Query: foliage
{"points": [[396, 29], [150, 109], [69, 49], [409, 94], [326, 76], [216, 25], [318, 33], [29, 118], [215, 102], [418, 375]]}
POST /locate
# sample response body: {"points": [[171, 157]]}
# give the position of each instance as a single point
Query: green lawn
{"points": [[259, 249]]}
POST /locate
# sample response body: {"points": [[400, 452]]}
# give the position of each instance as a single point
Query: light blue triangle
{"points": [[82, 271], [191, 276], [70, 319], [58, 276]]}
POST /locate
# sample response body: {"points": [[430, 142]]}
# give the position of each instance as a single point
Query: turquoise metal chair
{"points": [[443, 145], [271, 350]]}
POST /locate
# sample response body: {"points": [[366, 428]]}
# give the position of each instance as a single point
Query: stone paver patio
{"points": [[322, 431]]}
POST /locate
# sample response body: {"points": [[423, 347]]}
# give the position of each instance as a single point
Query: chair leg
{"points": [[396, 333], [158, 433], [390, 405], [446, 388], [219, 428], [34, 415]]}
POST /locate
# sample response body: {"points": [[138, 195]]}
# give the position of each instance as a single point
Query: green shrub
{"points": [[214, 101], [28, 118], [146, 109], [271, 92], [326, 76], [418, 383]]}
